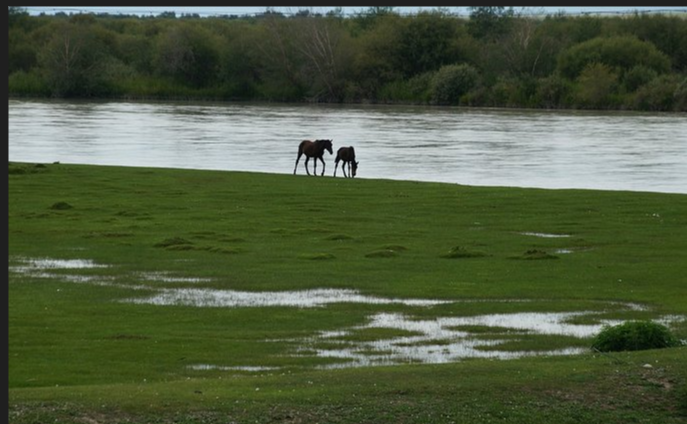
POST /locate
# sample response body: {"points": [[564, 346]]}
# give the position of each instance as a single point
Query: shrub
{"points": [[596, 86], [452, 81], [61, 206], [553, 92], [504, 92], [658, 95], [637, 77], [461, 252], [634, 335], [681, 97], [416, 89], [621, 53], [28, 83]]}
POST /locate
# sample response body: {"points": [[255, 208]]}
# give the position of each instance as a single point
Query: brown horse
{"points": [[347, 155], [313, 149]]}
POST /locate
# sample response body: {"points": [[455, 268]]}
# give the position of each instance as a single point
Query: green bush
{"points": [[596, 86], [416, 89], [504, 92], [620, 53], [634, 335], [658, 95], [28, 83], [637, 77], [681, 97], [452, 81], [553, 92]]}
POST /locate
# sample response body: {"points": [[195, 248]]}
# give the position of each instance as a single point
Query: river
{"points": [[486, 147]]}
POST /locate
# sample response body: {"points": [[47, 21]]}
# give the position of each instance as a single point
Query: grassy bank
{"points": [[87, 343]]}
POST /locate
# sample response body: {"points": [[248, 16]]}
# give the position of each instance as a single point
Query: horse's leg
{"points": [[336, 165], [307, 158], [323, 166], [343, 168], [297, 159]]}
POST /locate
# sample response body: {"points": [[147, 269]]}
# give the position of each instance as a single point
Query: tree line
{"points": [[496, 57]]}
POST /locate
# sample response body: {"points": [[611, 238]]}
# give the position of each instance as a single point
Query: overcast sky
{"points": [[248, 10]]}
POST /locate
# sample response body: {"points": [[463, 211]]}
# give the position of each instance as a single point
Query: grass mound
{"points": [[173, 242], [61, 206], [382, 253], [317, 256], [634, 335], [461, 252], [536, 254]]}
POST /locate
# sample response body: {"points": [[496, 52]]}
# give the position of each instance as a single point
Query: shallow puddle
{"points": [[164, 277], [42, 264], [208, 367], [436, 340], [545, 235], [439, 340], [298, 299]]}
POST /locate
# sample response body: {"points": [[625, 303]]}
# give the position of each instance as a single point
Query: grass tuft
{"points": [[317, 256], [461, 252], [61, 206], [383, 253]]}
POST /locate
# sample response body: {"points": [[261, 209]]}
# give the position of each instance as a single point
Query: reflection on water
{"points": [[205, 298], [434, 340], [440, 340], [561, 149]]}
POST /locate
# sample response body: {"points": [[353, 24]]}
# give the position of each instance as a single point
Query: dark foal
{"points": [[313, 149], [347, 155]]}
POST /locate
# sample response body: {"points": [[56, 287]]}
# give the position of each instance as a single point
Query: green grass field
{"points": [[170, 296]]}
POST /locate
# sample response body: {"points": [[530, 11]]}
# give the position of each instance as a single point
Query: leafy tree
{"points": [[681, 96], [490, 21], [377, 55], [426, 43], [660, 95], [73, 61], [667, 33], [16, 14], [239, 73], [637, 77], [379, 10], [620, 52], [280, 62], [167, 15], [375, 62], [595, 85], [553, 91], [323, 44], [186, 52], [21, 51], [453, 81], [136, 51]]}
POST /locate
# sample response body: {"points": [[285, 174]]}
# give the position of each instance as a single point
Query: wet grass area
{"points": [[385, 338], [220, 292]]}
